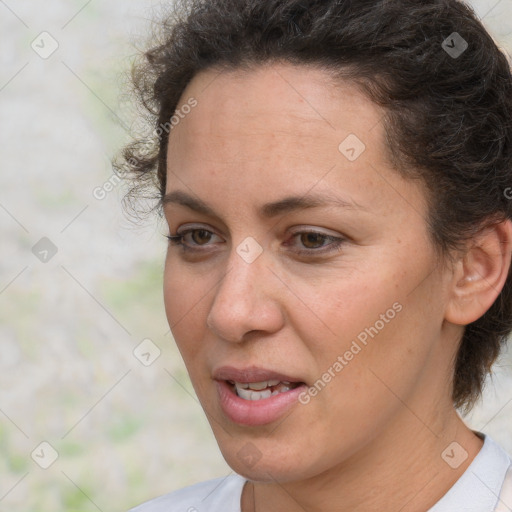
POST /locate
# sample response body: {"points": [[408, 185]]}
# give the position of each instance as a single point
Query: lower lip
{"points": [[256, 412]]}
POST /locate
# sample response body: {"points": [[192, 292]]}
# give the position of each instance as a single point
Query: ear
{"points": [[480, 274]]}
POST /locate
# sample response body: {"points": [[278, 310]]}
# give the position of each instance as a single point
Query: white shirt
{"points": [[485, 486]]}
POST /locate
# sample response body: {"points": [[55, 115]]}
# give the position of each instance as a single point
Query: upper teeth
{"points": [[258, 386], [260, 390]]}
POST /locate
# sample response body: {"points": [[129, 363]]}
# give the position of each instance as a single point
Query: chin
{"points": [[267, 461]]}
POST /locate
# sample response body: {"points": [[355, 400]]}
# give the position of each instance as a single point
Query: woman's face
{"points": [[307, 271]]}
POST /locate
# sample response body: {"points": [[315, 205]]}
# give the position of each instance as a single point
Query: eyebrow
{"points": [[268, 210]]}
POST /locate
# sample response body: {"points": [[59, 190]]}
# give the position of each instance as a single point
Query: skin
{"points": [[372, 439]]}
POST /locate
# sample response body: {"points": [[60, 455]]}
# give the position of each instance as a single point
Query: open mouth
{"points": [[254, 391], [256, 396]]}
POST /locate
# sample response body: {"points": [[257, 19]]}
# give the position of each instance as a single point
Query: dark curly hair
{"points": [[448, 115]]}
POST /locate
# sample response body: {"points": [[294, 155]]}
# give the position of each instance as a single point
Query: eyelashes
{"points": [[327, 243]]}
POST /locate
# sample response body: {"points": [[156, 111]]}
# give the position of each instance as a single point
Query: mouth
{"points": [[255, 396], [261, 390]]}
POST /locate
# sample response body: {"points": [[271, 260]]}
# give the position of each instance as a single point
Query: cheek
{"points": [[375, 324], [344, 309], [382, 358], [185, 307]]}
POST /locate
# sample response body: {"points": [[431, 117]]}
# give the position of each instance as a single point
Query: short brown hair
{"points": [[448, 116]]}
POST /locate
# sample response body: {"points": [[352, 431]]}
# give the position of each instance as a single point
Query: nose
{"points": [[246, 301]]}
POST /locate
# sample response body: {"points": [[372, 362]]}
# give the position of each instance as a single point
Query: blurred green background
{"points": [[122, 432]]}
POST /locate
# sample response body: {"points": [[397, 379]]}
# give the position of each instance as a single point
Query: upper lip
{"points": [[250, 374]]}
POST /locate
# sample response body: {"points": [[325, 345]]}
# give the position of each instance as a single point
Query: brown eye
{"points": [[313, 243], [192, 239], [313, 240], [201, 236]]}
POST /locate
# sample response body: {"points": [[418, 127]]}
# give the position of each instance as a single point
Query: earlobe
{"points": [[480, 274]]}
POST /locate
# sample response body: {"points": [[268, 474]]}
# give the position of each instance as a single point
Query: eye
{"points": [[314, 243], [199, 236], [307, 243], [191, 238], [312, 240]]}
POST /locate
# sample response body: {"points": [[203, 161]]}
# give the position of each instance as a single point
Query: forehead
{"points": [[272, 110], [278, 130], [282, 95]]}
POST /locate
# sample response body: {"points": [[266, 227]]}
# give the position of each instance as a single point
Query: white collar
{"points": [[479, 487]]}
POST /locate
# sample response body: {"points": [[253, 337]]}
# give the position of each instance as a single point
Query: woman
{"points": [[334, 177]]}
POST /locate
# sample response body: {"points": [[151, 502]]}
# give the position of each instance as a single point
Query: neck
{"points": [[407, 472]]}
